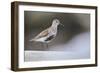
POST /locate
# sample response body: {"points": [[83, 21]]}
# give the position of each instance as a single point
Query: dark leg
{"points": [[42, 45], [47, 45]]}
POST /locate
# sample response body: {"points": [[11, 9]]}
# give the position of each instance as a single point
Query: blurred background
{"points": [[35, 22]]}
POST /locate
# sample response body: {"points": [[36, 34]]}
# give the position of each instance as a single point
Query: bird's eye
{"points": [[56, 21]]}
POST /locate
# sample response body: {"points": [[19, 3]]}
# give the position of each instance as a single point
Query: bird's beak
{"points": [[61, 24]]}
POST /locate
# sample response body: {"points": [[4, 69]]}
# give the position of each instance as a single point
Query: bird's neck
{"points": [[54, 26], [54, 29]]}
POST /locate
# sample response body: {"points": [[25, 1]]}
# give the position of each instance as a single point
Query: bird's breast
{"points": [[53, 30]]}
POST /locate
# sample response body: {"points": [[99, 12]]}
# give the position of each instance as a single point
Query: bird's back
{"points": [[42, 34]]}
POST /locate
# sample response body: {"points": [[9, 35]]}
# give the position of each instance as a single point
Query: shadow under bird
{"points": [[47, 35]]}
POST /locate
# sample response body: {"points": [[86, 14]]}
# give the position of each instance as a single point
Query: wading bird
{"points": [[48, 34]]}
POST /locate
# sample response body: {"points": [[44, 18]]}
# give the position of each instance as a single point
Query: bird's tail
{"points": [[32, 40]]}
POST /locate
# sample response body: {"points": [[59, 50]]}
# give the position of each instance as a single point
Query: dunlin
{"points": [[48, 34]]}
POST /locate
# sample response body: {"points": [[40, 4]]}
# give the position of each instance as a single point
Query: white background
{"points": [[5, 37]]}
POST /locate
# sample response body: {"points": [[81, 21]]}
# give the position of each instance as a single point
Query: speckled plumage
{"points": [[48, 34]]}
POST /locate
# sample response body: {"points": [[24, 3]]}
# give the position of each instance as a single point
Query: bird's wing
{"points": [[42, 34], [50, 38]]}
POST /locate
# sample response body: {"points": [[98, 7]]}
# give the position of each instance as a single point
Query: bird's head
{"points": [[56, 22]]}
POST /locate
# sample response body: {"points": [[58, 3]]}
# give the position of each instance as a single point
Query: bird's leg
{"points": [[42, 45], [46, 45]]}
